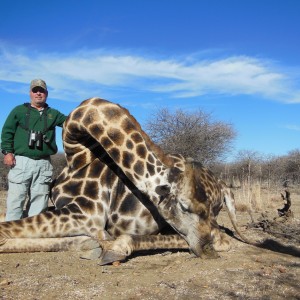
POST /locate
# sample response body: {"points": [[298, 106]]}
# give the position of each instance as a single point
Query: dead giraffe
{"points": [[119, 185]]}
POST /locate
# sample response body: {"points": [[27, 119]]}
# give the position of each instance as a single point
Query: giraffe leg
{"points": [[125, 245], [75, 243]]}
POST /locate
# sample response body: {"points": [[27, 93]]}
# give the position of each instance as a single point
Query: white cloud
{"points": [[75, 74]]}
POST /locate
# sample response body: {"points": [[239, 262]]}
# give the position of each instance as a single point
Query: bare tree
{"points": [[249, 163], [248, 167], [293, 165], [193, 135]]}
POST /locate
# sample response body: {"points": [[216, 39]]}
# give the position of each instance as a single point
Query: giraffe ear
{"points": [[162, 190]]}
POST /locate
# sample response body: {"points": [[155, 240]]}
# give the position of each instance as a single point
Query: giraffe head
{"points": [[188, 200]]}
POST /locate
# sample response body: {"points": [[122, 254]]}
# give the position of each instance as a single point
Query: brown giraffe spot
{"points": [[62, 201], [116, 136], [147, 217], [85, 204], [128, 126], [136, 176], [129, 144], [82, 218], [157, 181], [139, 167], [17, 231], [117, 232], [31, 228], [137, 138], [137, 228], [39, 219], [106, 176], [75, 223], [79, 161], [150, 158], [30, 221], [106, 142], [45, 229], [150, 169], [73, 127], [95, 172], [111, 113], [71, 209], [80, 174], [78, 114], [115, 154], [125, 224], [100, 208], [97, 129], [128, 159], [53, 221], [67, 226], [91, 189], [47, 215], [87, 120], [158, 163], [90, 223], [73, 188], [128, 206], [114, 218], [64, 219], [141, 151], [100, 102]]}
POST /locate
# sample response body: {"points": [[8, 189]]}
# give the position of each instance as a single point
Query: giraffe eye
{"points": [[184, 207]]}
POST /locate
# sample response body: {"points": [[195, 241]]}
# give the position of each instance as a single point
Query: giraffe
{"points": [[120, 189]]}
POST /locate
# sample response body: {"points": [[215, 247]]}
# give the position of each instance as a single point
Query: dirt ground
{"points": [[245, 272]]}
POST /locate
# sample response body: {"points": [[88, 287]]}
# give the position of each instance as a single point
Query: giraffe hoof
{"points": [[110, 256], [91, 254], [89, 244]]}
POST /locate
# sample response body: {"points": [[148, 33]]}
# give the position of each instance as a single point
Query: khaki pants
{"points": [[28, 177]]}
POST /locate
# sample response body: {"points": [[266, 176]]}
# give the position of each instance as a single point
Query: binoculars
{"points": [[36, 138]]}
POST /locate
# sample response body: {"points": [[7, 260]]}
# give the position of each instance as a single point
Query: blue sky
{"points": [[238, 60]]}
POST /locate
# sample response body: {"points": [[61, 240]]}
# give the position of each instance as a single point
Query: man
{"points": [[28, 140]]}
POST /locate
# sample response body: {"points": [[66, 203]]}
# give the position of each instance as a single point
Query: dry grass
{"points": [[242, 207], [256, 198]]}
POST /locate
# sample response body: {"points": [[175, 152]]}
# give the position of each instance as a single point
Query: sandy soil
{"points": [[245, 272]]}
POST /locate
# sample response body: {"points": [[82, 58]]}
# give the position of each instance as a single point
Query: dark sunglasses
{"points": [[38, 89]]}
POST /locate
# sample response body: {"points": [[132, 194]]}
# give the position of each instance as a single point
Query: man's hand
{"points": [[9, 160]]}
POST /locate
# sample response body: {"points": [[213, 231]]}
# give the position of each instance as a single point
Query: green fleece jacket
{"points": [[15, 136]]}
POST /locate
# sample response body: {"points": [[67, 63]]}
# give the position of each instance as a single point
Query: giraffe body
{"points": [[121, 189]]}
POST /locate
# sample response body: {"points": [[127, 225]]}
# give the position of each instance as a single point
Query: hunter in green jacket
{"points": [[27, 141]]}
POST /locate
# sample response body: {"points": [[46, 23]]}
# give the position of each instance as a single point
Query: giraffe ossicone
{"points": [[120, 189]]}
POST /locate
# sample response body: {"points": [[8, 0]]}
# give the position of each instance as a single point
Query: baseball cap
{"points": [[38, 82]]}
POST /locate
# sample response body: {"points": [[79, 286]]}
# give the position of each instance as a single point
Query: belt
{"points": [[40, 158], [47, 157]]}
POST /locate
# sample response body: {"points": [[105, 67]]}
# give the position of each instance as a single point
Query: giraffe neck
{"points": [[109, 129]]}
